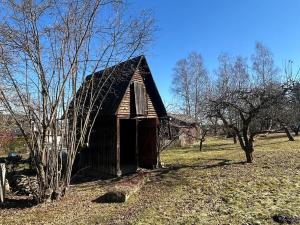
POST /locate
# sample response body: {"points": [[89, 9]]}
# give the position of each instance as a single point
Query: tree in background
{"points": [[248, 96], [182, 86], [6, 133], [191, 85], [264, 70], [231, 75], [295, 109], [46, 50]]}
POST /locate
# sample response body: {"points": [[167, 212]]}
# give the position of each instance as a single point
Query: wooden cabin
{"points": [[184, 129], [125, 134]]}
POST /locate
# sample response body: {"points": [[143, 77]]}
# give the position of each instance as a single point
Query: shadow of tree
{"points": [[90, 175], [268, 144], [268, 137], [219, 147], [223, 162], [11, 203], [172, 170]]}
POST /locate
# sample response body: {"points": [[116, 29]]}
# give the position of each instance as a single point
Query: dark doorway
{"points": [[147, 143], [128, 143]]}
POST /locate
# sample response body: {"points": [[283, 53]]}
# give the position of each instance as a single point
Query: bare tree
{"points": [[46, 50], [6, 131], [265, 72], [199, 86], [286, 113], [248, 104], [231, 76], [295, 108], [243, 106], [182, 85], [191, 85]]}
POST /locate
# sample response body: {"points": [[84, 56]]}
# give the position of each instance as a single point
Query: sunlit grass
{"points": [[214, 186]]}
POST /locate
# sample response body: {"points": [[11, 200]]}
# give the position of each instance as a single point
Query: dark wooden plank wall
{"points": [[124, 108], [140, 99], [102, 147]]}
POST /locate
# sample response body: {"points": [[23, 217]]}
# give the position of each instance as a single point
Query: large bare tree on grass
{"points": [[246, 104], [46, 50]]}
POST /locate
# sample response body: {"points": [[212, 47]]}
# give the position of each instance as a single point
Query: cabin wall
{"points": [[125, 108], [101, 153]]}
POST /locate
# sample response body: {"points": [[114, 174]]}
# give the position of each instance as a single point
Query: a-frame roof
{"points": [[118, 78]]}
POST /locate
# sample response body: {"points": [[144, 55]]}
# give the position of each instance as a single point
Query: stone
{"points": [[285, 219], [124, 189], [114, 197]]}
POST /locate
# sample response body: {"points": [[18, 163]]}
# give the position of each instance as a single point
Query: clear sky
{"points": [[210, 27]]}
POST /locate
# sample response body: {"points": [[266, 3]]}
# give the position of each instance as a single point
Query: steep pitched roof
{"points": [[182, 119], [118, 78]]}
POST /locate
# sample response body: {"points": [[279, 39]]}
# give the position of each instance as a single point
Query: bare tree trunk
{"points": [[201, 143], [288, 134], [286, 130], [228, 128], [202, 139], [249, 155], [296, 129], [246, 142], [234, 138]]}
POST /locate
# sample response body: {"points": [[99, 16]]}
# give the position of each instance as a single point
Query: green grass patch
{"points": [[214, 186]]}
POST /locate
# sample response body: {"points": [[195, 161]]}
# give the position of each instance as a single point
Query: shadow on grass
{"points": [[11, 203], [276, 136], [268, 144], [206, 148], [175, 168], [90, 175], [223, 162], [90, 180], [218, 148]]}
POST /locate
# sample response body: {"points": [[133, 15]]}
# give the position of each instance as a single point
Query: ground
{"points": [[209, 187]]}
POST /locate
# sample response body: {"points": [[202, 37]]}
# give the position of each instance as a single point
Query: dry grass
{"points": [[209, 187]]}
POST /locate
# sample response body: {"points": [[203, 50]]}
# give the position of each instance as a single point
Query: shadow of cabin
{"points": [[125, 134]]}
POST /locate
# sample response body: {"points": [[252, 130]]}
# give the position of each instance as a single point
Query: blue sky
{"points": [[210, 27]]}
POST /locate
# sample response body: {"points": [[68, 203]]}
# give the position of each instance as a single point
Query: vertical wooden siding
{"points": [[102, 148], [126, 110]]}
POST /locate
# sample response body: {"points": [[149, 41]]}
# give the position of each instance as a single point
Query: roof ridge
{"points": [[98, 73]]}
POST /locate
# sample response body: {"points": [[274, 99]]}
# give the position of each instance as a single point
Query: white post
{"points": [[2, 182]]}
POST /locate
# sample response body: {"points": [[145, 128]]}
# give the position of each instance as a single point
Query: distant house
{"points": [[9, 132], [125, 134], [184, 129]]}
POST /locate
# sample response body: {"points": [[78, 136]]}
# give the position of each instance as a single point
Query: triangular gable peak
{"points": [[128, 104], [128, 81]]}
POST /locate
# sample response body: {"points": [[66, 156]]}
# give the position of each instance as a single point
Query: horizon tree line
{"points": [[246, 97]]}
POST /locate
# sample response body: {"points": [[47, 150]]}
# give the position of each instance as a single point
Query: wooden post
{"points": [[137, 142], [2, 182], [157, 127], [118, 134]]}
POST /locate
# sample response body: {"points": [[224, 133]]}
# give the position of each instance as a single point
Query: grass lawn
{"points": [[209, 187]]}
